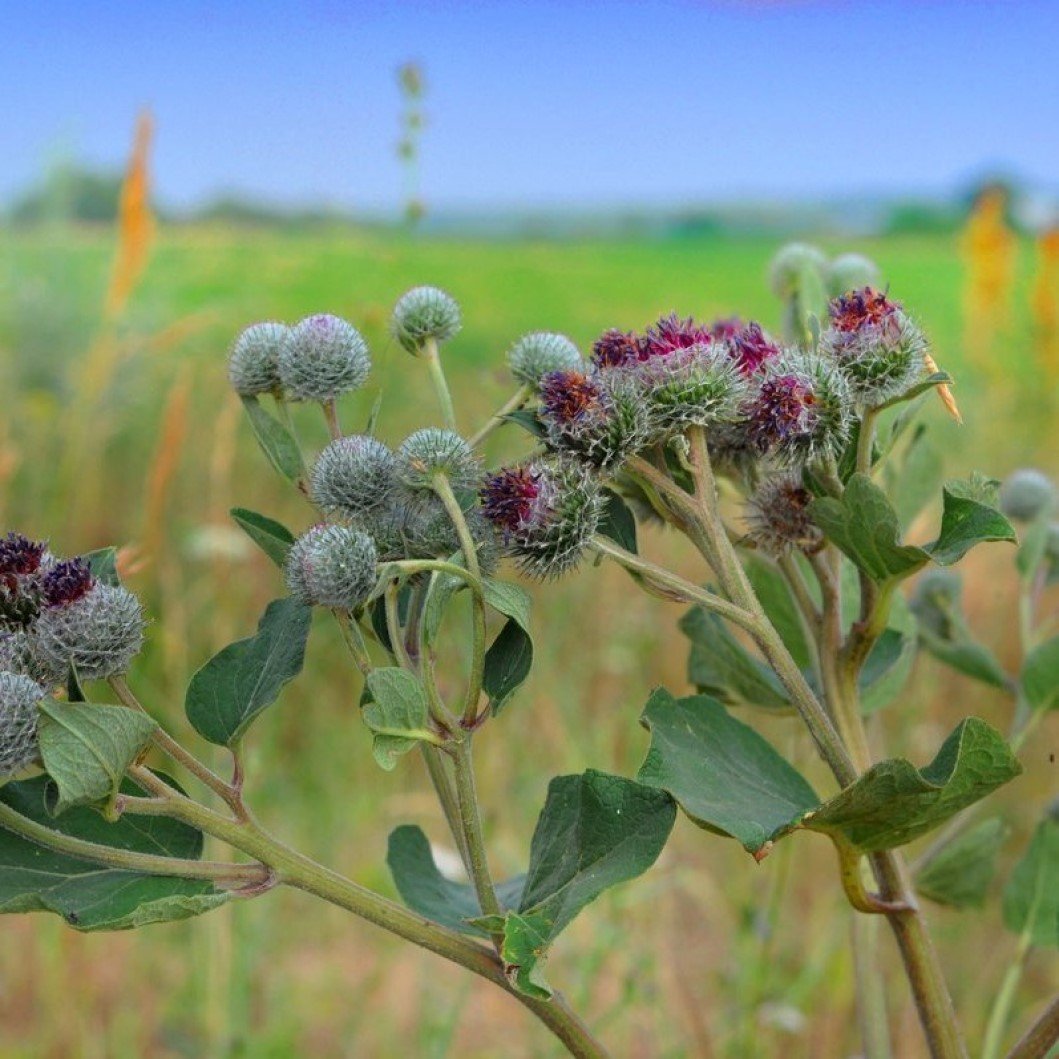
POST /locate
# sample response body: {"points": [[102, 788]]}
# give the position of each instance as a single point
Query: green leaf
{"points": [[937, 378], [886, 669], [104, 565], [967, 656], [960, 873], [720, 665], [1040, 675], [272, 537], [442, 588], [526, 939], [87, 895], [86, 748], [772, 591], [721, 772], [509, 599], [234, 686], [1033, 547], [507, 664], [425, 890], [969, 517], [398, 714], [1031, 897], [915, 485], [894, 802], [618, 522], [864, 525], [527, 419], [276, 441], [595, 831]]}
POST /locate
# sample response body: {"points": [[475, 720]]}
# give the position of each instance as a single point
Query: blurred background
{"points": [[174, 172]]}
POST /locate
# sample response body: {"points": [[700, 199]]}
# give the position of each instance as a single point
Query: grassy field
{"points": [[123, 432]]}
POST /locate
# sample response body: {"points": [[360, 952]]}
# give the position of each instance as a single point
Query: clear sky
{"points": [[538, 103]]}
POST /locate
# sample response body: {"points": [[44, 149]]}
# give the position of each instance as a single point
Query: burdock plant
{"points": [[786, 462]]}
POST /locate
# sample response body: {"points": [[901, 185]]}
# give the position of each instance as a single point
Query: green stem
{"points": [[471, 822], [470, 556], [871, 995], [429, 353], [331, 415], [393, 627], [1000, 1012], [1039, 1039], [125, 859], [442, 783], [283, 408], [496, 420], [414, 566], [354, 640]]}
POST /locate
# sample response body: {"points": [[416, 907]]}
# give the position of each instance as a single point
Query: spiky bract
{"points": [[253, 363], [332, 566], [322, 358], [431, 452], [353, 476], [424, 313], [20, 698], [541, 352]]}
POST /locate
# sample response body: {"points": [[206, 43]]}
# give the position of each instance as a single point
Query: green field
{"points": [[709, 954]]}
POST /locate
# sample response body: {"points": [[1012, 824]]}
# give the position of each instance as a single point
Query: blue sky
{"points": [[539, 103]]}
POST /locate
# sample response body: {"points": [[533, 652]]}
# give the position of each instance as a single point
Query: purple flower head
{"points": [[66, 582], [672, 333], [784, 408], [615, 349], [863, 308], [570, 396], [751, 348], [726, 327], [508, 498], [19, 555]]}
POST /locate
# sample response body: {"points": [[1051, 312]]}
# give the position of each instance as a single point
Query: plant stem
{"points": [[1000, 1012], [169, 746], [871, 995], [470, 556], [353, 639], [331, 415], [393, 627], [521, 396], [1039, 1039], [429, 353], [471, 822], [125, 859]]}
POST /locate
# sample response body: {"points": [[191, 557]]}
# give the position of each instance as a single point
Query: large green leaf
{"points": [[91, 896], [509, 599], [86, 748], [969, 517], [425, 890], [276, 441], [720, 665], [234, 686], [960, 873], [1040, 675], [894, 802], [272, 537], [595, 831], [398, 713], [1031, 897], [720, 771]]}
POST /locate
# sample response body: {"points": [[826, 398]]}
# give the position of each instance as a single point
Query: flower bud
{"points": [[1026, 494], [541, 352], [671, 333], [778, 516], [546, 512], [726, 327], [322, 358], [693, 385], [253, 363], [801, 410], [65, 582], [99, 633], [790, 265], [332, 566], [935, 599], [16, 656], [616, 349], [850, 271], [21, 561], [599, 417], [20, 698], [751, 348], [424, 313], [431, 452], [353, 476], [428, 532], [876, 346]]}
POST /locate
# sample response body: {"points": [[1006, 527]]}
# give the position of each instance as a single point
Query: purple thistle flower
{"points": [[570, 396], [66, 582], [726, 327], [862, 308], [672, 333], [508, 498], [784, 408], [19, 555], [750, 348], [616, 349]]}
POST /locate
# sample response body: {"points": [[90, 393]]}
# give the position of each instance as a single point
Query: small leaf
{"points": [[272, 537], [969, 517], [886, 670], [595, 831], [774, 595], [618, 522], [967, 656], [1031, 897], [398, 714], [425, 890], [90, 896], [87, 748], [1040, 675], [721, 772], [864, 525], [894, 802], [526, 939], [509, 599], [720, 665], [915, 485], [528, 420], [937, 378], [247, 676], [507, 664], [442, 588], [276, 441], [104, 565], [960, 873]]}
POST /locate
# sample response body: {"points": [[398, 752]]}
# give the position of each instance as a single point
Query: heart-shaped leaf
{"points": [[507, 664], [397, 714], [960, 873], [969, 517], [247, 676]]}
